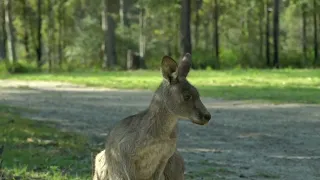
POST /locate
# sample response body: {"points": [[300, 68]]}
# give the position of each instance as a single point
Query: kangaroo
{"points": [[143, 146]]}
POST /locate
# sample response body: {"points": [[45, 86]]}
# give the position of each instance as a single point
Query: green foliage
{"points": [[78, 34], [19, 67], [35, 149]]}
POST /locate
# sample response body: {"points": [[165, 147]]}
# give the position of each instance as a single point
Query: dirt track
{"points": [[243, 141]]}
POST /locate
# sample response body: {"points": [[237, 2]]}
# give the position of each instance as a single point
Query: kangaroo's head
{"points": [[179, 96]]}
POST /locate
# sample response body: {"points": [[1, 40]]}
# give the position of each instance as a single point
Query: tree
{"points": [[315, 24], [197, 22], [216, 33], [10, 34], [51, 31], [261, 15], [185, 33], [61, 22], [268, 10], [2, 32], [110, 56], [142, 38], [276, 34], [304, 32], [123, 12], [39, 34], [26, 27]]}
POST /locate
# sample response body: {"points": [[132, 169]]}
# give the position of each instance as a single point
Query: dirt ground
{"points": [[242, 141]]}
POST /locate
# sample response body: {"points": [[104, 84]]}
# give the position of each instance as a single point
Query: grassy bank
{"points": [[38, 150], [286, 85]]}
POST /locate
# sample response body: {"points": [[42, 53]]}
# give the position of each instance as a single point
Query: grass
{"points": [[285, 85], [38, 150]]}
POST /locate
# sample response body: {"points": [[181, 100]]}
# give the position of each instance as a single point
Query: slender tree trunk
{"points": [[123, 12], [60, 32], [216, 33], [26, 28], [10, 34], [39, 35], [197, 22], [142, 37], [168, 47], [207, 38], [185, 31], [318, 33], [110, 56], [268, 35], [251, 36], [3, 35], [261, 14], [315, 24], [304, 33], [276, 33], [51, 30]]}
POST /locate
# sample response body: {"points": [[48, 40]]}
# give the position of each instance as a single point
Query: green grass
{"points": [[286, 85], [38, 150]]}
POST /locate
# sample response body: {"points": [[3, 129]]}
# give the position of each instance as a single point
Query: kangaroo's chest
{"points": [[152, 154]]}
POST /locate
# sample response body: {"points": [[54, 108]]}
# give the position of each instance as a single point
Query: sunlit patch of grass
{"points": [[285, 85], [34, 149]]}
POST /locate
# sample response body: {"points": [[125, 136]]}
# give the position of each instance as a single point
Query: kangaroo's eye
{"points": [[187, 97]]}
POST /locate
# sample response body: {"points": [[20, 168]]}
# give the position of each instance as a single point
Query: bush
{"points": [[19, 67]]}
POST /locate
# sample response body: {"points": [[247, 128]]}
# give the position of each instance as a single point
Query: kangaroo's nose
{"points": [[207, 116]]}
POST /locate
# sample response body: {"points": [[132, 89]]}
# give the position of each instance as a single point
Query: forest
{"points": [[66, 35]]}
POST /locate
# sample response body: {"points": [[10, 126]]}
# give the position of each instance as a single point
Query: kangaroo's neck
{"points": [[161, 120]]}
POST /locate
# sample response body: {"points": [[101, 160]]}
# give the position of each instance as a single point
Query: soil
{"points": [[244, 140]]}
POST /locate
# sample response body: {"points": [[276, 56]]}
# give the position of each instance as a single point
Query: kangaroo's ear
{"points": [[184, 65], [169, 69]]}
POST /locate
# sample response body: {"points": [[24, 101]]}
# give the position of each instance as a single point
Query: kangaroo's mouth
{"points": [[199, 122]]}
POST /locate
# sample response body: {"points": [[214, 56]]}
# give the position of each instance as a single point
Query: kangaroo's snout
{"points": [[202, 116], [207, 116]]}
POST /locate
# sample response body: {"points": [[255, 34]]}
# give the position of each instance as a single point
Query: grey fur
{"points": [[143, 146]]}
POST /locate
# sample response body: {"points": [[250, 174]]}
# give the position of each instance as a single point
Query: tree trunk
{"points": [[304, 33], [142, 37], [261, 13], [39, 35], [10, 34], [216, 33], [185, 31], [276, 34], [26, 28], [3, 35], [133, 60], [60, 32], [110, 56], [206, 34], [315, 24], [51, 39], [169, 38], [197, 22], [268, 10], [123, 13]]}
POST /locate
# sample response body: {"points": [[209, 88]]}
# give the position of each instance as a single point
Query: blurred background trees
{"points": [[118, 34]]}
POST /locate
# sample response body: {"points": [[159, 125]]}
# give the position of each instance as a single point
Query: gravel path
{"points": [[243, 140]]}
